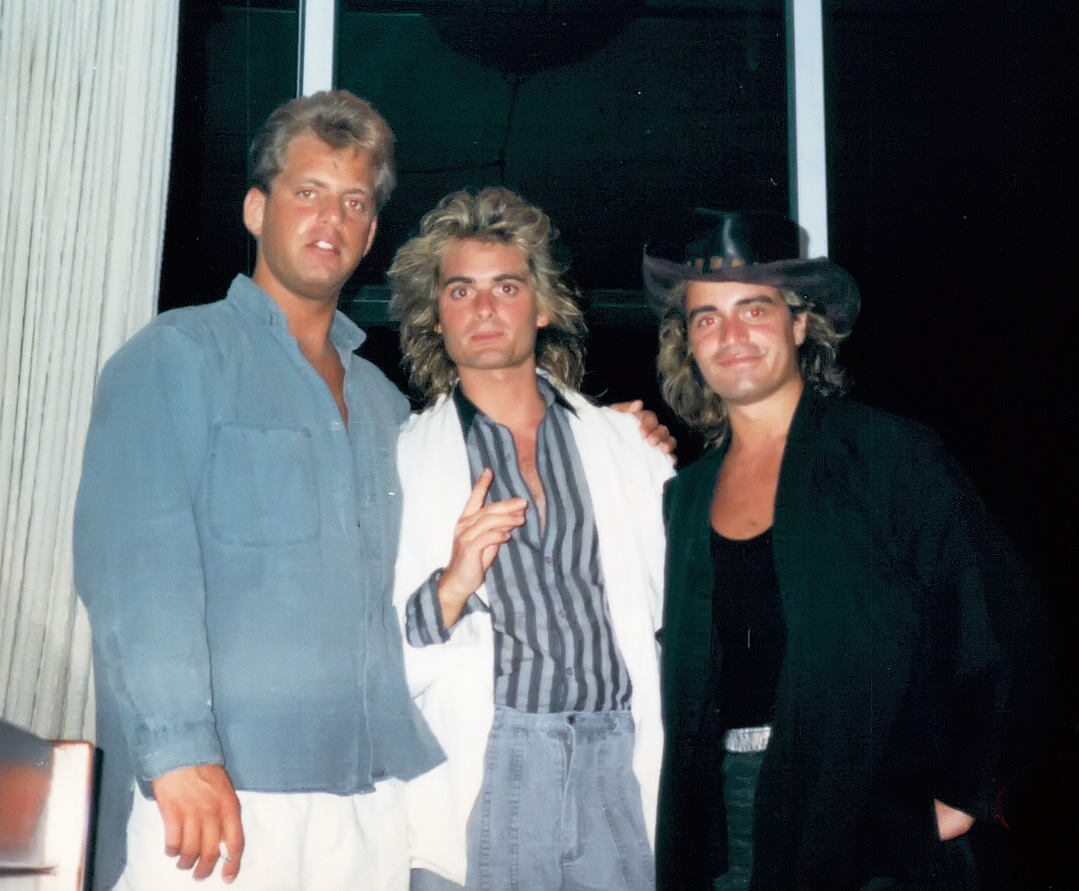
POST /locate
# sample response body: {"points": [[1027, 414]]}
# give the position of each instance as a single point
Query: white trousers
{"points": [[292, 842]]}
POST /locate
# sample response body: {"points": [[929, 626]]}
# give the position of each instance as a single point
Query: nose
{"points": [[330, 209], [484, 304], [732, 330]]}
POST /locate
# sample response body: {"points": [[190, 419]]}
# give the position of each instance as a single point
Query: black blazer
{"points": [[910, 674]]}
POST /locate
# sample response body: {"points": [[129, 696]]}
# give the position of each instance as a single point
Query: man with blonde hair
{"points": [[234, 541], [529, 573]]}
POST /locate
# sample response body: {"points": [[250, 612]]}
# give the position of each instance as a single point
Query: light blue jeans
{"points": [[559, 809]]}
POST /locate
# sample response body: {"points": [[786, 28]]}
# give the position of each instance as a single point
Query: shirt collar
{"points": [[251, 299], [467, 411]]}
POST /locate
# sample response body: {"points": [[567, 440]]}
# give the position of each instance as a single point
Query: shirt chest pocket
{"points": [[262, 485]]}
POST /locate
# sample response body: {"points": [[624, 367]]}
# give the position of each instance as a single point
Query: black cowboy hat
{"points": [[758, 248]]}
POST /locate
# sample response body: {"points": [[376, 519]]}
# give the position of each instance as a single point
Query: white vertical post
{"points": [[806, 138], [318, 25]]}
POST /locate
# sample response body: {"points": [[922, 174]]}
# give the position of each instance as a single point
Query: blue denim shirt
{"points": [[234, 546]]}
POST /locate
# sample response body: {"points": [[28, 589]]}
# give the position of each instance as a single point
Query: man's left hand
{"points": [[653, 432], [951, 823]]}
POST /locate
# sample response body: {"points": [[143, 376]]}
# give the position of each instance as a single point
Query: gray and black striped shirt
{"points": [[555, 649]]}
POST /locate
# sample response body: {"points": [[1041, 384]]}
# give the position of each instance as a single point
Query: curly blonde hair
{"points": [[688, 394], [494, 214]]}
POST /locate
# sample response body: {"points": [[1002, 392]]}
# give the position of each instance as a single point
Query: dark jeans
{"points": [[740, 772]]}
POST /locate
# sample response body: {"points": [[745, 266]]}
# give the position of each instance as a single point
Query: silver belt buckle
{"points": [[747, 739]]}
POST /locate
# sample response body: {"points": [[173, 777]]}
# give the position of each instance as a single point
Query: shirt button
{"points": [[548, 560], [569, 671], [561, 614]]}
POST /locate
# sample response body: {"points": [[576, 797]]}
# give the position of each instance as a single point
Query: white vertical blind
{"points": [[86, 99]]}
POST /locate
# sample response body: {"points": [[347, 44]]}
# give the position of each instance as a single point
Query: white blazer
{"points": [[453, 682]]}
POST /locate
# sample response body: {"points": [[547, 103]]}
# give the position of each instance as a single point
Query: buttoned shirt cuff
{"points": [[423, 614], [168, 748]]}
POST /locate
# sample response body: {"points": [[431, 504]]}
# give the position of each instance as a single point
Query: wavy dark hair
{"points": [[494, 214], [685, 390], [339, 119]]}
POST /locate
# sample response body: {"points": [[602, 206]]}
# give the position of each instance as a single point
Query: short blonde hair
{"points": [[339, 119]]}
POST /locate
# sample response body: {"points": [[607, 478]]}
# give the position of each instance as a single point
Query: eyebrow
{"points": [[357, 189], [743, 301], [503, 277], [699, 310]]}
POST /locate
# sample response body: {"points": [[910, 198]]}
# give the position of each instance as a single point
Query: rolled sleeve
{"points": [[138, 565], [423, 614]]}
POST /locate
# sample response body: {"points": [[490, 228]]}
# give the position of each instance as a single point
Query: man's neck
{"points": [[508, 396], [743, 503], [309, 320], [511, 397], [759, 424]]}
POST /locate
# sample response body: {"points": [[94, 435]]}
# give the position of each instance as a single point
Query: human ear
{"points": [[254, 210], [801, 327], [371, 235]]}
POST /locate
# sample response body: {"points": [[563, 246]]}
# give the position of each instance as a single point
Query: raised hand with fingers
{"points": [[202, 819], [479, 532]]}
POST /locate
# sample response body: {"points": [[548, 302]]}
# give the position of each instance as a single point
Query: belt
{"points": [[747, 739]]}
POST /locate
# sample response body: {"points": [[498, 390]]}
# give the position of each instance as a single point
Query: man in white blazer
{"points": [[529, 576]]}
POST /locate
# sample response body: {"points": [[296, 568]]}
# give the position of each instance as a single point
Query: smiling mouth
{"points": [[737, 358], [324, 245]]}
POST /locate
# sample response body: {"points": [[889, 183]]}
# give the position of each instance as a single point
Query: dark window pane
{"points": [[616, 117], [236, 63]]}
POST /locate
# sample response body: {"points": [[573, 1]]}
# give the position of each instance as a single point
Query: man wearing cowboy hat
{"points": [[847, 638]]}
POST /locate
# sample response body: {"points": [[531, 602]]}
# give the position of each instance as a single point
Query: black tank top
{"points": [[749, 634]]}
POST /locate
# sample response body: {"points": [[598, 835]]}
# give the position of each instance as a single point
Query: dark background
{"points": [[951, 200]]}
